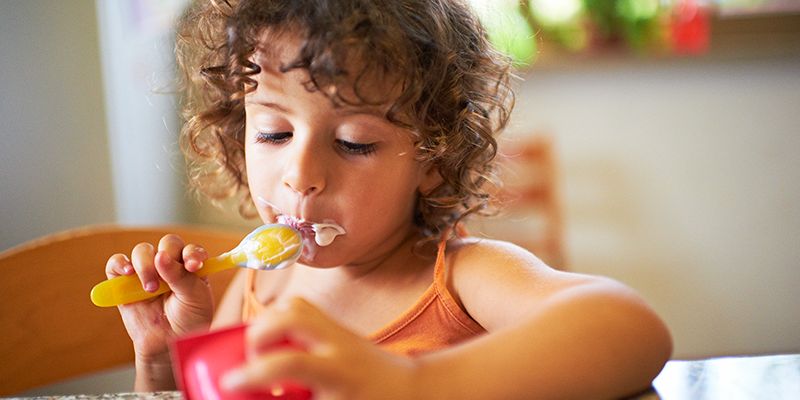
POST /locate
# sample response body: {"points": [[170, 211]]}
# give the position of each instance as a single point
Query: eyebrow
{"points": [[268, 104], [366, 110], [374, 111]]}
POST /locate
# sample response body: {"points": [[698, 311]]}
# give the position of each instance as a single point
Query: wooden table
{"points": [[775, 377]]}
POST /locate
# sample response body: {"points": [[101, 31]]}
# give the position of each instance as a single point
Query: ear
{"points": [[431, 179]]}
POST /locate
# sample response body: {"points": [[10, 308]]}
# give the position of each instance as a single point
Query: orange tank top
{"points": [[436, 321]]}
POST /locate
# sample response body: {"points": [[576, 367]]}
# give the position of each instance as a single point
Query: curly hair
{"points": [[455, 97]]}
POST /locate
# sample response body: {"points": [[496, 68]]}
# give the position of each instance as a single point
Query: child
{"points": [[376, 117]]}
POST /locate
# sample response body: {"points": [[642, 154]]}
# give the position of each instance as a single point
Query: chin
{"points": [[316, 256], [318, 262]]}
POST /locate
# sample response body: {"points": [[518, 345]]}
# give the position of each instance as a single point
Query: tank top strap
{"points": [[250, 304], [249, 280], [440, 267], [446, 298]]}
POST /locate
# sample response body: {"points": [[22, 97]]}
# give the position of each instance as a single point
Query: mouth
{"points": [[305, 227], [323, 233]]}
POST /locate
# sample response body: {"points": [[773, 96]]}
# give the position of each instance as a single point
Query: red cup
{"points": [[199, 362]]}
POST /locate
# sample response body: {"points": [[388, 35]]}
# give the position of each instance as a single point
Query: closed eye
{"points": [[355, 148], [273, 138]]}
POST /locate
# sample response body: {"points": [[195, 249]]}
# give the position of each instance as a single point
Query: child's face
{"points": [[308, 159]]}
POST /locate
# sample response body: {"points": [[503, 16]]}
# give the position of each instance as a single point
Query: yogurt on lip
{"points": [[324, 232]]}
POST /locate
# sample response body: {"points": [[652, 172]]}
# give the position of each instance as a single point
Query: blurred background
{"points": [[665, 134]]}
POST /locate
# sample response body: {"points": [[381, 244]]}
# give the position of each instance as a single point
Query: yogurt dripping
{"points": [[324, 233]]}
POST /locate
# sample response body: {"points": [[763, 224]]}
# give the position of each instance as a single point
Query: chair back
{"points": [[50, 329], [530, 200]]}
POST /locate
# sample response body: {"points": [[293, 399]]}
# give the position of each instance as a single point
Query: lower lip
{"points": [[304, 227]]}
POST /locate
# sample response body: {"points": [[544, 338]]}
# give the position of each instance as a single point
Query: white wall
{"points": [[682, 179], [79, 149], [54, 162], [137, 53]]}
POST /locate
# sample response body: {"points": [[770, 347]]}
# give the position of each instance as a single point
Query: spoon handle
{"points": [[125, 289]]}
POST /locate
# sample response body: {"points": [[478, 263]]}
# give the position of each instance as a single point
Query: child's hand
{"points": [[334, 363], [151, 324]]}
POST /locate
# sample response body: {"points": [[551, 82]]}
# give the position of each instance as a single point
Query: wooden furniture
{"points": [[530, 202], [50, 330]]}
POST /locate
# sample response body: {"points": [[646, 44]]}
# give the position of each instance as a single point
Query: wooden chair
{"points": [[50, 329], [530, 200]]}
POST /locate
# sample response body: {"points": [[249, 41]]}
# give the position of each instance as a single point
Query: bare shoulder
{"points": [[475, 260], [499, 283], [476, 252]]}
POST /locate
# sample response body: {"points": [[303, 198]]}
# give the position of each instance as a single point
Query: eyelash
{"points": [[361, 149], [273, 138]]}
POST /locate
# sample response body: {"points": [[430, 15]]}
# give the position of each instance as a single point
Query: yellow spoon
{"points": [[272, 246]]}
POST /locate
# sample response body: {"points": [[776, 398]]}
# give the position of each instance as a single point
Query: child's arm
{"points": [[552, 334]]}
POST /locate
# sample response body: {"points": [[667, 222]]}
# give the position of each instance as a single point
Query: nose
{"points": [[304, 170]]}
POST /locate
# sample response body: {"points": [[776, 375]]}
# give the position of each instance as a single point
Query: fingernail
{"points": [[150, 286], [127, 269], [232, 380]]}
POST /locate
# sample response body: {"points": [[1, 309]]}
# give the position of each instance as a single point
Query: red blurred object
{"points": [[690, 28], [199, 361]]}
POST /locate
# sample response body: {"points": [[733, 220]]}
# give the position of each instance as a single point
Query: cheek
{"points": [[259, 181], [259, 174], [397, 188]]}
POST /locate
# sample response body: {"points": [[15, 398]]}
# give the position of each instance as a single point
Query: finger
{"points": [[172, 244], [169, 261], [142, 260], [181, 282], [193, 257], [277, 371], [118, 264]]}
